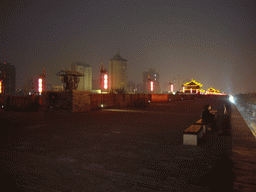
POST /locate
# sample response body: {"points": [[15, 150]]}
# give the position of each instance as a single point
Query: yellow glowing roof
{"points": [[213, 90], [193, 83]]}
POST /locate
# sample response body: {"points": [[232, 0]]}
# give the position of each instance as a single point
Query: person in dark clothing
{"points": [[208, 117]]}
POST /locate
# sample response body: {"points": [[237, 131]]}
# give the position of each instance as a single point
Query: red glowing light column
{"points": [[105, 81], [40, 85], [151, 85]]}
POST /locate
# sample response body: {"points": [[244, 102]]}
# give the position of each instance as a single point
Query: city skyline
{"points": [[210, 41]]}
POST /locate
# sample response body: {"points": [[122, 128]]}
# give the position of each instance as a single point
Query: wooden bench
{"points": [[191, 135], [203, 124]]}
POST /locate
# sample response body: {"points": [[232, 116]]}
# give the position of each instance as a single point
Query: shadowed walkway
{"points": [[127, 151]]}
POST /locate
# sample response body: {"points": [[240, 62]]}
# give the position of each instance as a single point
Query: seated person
{"points": [[208, 117]]}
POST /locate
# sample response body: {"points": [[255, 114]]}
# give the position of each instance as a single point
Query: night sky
{"points": [[211, 41]]}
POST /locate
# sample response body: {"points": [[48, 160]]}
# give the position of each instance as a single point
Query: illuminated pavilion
{"points": [[192, 87], [213, 91]]}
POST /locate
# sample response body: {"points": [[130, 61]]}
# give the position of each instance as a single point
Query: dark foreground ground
{"points": [[125, 150]]}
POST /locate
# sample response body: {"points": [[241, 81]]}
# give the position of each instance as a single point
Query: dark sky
{"points": [[211, 41]]}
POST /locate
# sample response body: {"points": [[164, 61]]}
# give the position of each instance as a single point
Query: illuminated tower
{"points": [[117, 73]]}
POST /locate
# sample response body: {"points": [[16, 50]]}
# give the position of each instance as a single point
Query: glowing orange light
{"points": [[105, 81], [190, 90], [151, 85], [0, 86], [40, 85]]}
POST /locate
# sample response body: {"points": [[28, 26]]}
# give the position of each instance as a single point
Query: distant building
{"points": [[9, 81], [192, 87], [167, 87], [85, 83], [151, 79], [131, 87], [212, 91], [117, 73]]}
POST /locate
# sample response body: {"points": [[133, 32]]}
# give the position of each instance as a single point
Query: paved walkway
{"points": [[115, 154], [243, 153]]}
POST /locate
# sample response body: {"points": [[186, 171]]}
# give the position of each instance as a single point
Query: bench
{"points": [[203, 124], [191, 135], [196, 131]]}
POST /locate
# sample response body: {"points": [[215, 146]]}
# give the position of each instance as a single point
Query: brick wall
{"points": [[81, 101]]}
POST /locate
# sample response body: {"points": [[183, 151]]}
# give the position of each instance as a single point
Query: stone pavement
{"points": [[129, 150], [243, 153]]}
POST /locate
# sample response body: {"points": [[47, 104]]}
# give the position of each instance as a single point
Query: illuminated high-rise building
{"points": [[8, 78], [151, 78], [85, 83], [117, 73]]}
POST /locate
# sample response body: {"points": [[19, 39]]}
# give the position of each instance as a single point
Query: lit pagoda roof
{"points": [[193, 83], [213, 90]]}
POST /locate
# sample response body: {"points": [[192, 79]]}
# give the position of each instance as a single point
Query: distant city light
{"points": [[231, 99], [0, 86], [151, 85]]}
